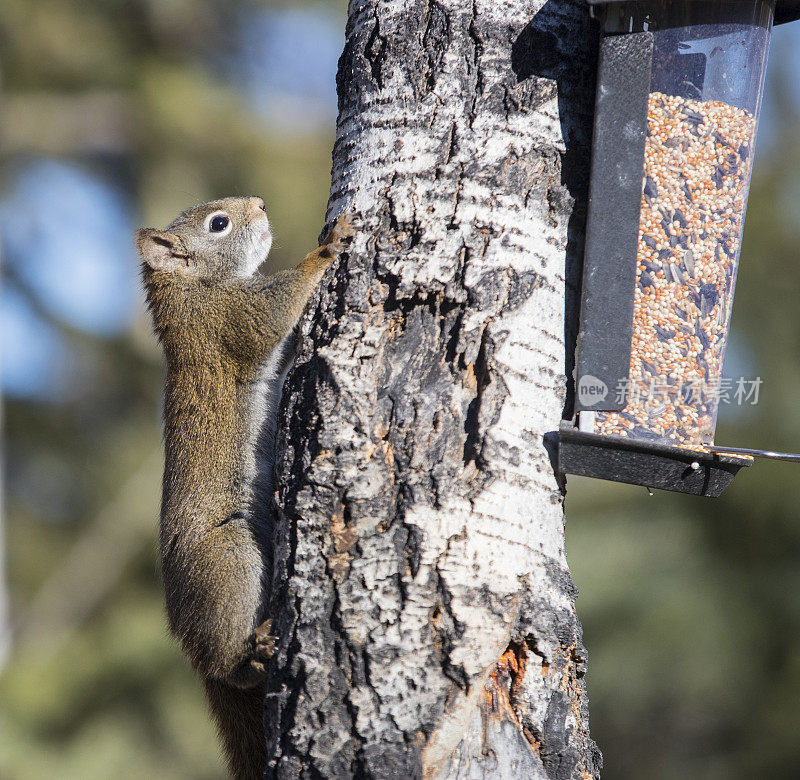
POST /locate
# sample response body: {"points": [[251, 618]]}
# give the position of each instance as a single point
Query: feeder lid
{"points": [[785, 10]]}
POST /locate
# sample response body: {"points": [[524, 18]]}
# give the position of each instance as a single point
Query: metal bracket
{"points": [[612, 227]]}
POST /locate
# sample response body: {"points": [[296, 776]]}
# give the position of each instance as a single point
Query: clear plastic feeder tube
{"points": [[707, 79]]}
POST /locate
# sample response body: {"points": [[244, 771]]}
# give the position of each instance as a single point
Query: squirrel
{"points": [[227, 334]]}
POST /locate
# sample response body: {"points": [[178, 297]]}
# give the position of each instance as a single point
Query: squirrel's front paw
{"points": [[341, 234], [264, 647]]}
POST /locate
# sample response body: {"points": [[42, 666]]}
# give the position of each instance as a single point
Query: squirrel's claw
{"points": [[264, 643], [340, 236]]}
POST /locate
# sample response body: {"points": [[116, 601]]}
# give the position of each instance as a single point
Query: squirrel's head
{"points": [[223, 239]]}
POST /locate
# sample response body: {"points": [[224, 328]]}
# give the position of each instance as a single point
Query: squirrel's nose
{"points": [[258, 203]]}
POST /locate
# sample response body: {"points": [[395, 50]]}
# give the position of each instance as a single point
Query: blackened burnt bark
{"points": [[423, 604]]}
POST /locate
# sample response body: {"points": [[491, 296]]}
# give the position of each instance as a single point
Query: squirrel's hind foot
{"points": [[263, 647]]}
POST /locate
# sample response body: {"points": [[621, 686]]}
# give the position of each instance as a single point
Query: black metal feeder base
{"points": [[645, 463]]}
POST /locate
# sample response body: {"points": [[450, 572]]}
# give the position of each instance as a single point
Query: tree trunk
{"points": [[423, 604]]}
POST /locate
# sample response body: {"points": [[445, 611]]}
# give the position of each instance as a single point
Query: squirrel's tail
{"points": [[238, 713]]}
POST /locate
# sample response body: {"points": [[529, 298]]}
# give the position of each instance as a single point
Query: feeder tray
{"points": [[649, 464]]}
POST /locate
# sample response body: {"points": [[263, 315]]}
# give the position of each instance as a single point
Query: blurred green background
{"points": [[117, 113]]}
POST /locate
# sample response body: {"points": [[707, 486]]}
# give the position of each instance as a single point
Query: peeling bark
{"points": [[422, 599]]}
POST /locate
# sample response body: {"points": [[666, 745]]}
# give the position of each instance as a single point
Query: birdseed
{"points": [[694, 191]]}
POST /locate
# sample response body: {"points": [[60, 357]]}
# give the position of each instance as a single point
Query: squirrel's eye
{"points": [[219, 223]]}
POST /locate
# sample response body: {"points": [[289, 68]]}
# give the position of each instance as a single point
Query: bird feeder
{"points": [[678, 98]]}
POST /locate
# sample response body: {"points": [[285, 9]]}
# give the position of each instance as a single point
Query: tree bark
{"points": [[422, 599]]}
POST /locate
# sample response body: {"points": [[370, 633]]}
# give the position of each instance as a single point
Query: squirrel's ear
{"points": [[161, 251]]}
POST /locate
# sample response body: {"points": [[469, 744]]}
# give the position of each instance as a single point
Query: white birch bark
{"points": [[424, 607]]}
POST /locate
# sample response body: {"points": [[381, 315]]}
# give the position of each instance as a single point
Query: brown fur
{"points": [[219, 324], [243, 744]]}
